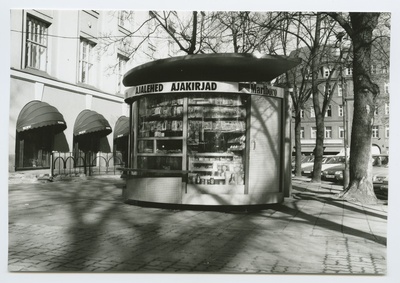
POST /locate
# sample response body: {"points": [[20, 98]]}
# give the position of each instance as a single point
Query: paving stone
{"points": [[80, 227]]}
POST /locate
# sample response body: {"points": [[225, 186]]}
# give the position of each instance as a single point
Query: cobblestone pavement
{"points": [[83, 226]]}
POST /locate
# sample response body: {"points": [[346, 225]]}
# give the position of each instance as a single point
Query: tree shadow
{"points": [[102, 234], [336, 202]]}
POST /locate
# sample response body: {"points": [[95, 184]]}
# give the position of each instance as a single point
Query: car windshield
{"points": [[336, 159]]}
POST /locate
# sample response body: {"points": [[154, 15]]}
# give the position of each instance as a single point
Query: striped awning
{"points": [[121, 127], [91, 122], [37, 114]]}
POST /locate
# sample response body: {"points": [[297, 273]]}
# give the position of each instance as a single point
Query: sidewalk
{"points": [[83, 225]]}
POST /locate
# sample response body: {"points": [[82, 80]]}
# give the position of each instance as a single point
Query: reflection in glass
{"points": [[216, 139]]}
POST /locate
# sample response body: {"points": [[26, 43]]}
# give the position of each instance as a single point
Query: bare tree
{"points": [[315, 36]]}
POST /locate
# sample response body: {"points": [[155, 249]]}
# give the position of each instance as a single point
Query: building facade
{"points": [[338, 117], [66, 91]]}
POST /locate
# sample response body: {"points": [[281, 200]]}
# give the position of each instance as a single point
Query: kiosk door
{"points": [[265, 151]]}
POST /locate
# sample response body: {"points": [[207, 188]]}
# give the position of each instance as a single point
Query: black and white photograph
{"points": [[190, 142]]}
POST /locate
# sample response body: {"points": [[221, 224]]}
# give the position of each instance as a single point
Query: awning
{"points": [[91, 122], [229, 67], [121, 127], [38, 114]]}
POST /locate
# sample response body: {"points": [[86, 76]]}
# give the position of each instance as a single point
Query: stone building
{"points": [[66, 91]]}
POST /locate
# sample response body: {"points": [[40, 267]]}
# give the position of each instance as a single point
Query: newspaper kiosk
{"points": [[208, 130]]}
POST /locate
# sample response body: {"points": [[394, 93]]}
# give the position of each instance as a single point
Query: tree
{"points": [[315, 36], [360, 27], [187, 36]]}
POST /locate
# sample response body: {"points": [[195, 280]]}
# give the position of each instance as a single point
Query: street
{"points": [[83, 225]]}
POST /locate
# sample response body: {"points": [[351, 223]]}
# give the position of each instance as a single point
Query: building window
{"points": [[387, 108], [327, 72], [339, 91], [123, 18], [340, 110], [36, 43], [375, 131], [85, 61], [122, 60], [329, 89], [341, 132], [373, 69], [386, 88], [328, 112], [313, 132], [349, 71], [328, 132], [302, 133], [301, 113], [387, 131], [308, 74], [376, 110], [312, 112]]}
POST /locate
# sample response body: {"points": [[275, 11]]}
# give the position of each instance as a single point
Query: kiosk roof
{"points": [[230, 67]]}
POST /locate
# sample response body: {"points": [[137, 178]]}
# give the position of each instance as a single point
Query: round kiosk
{"points": [[208, 130]]}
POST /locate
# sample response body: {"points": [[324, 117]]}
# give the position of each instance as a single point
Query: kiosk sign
{"points": [[202, 86]]}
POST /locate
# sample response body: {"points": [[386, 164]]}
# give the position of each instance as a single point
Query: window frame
{"points": [[375, 131], [86, 61], [33, 23], [313, 132], [339, 90], [340, 111], [327, 72], [312, 112], [328, 112], [121, 71], [328, 132], [341, 132], [349, 71]]}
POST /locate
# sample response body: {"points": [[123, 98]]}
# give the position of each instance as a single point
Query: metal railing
{"points": [[90, 163]]}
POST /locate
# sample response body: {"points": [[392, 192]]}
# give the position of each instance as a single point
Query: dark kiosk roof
{"points": [[230, 67], [121, 127], [90, 122], [38, 114]]}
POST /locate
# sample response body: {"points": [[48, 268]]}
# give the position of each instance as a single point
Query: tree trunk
{"points": [[365, 92], [297, 142], [319, 143], [319, 147]]}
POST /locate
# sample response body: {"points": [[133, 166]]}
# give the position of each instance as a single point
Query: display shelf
{"points": [[215, 105], [239, 118], [157, 117], [161, 138], [160, 154], [225, 131], [222, 154]]}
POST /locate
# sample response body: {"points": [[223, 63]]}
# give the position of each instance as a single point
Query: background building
{"points": [[66, 91], [339, 113]]}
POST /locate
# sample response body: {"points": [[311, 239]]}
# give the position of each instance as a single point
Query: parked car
{"points": [[327, 161], [380, 175], [334, 173], [306, 160]]}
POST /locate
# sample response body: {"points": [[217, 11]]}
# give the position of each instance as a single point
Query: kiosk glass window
{"points": [[160, 132], [216, 139]]}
